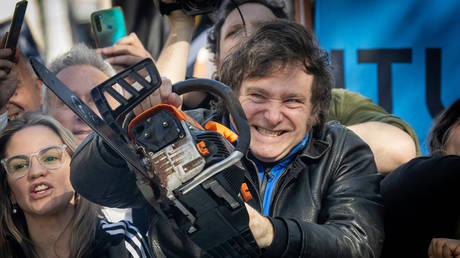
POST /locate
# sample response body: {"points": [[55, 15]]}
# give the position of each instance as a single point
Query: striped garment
{"points": [[124, 234]]}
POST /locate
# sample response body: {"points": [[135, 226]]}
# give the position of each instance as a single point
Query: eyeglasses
{"points": [[51, 157]]}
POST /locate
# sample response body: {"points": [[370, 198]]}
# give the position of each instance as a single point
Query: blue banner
{"points": [[404, 55]]}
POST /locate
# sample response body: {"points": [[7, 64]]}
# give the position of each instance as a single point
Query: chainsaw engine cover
{"points": [[158, 131]]}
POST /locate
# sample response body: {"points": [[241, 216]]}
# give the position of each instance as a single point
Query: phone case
{"points": [[108, 26], [16, 24]]}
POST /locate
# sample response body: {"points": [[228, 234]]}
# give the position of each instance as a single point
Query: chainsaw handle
{"points": [[231, 102]]}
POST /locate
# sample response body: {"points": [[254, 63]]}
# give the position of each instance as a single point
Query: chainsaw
{"points": [[193, 171]]}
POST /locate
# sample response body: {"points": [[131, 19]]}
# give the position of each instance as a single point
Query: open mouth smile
{"points": [[267, 132]]}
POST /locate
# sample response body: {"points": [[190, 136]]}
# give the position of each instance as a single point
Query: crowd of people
{"points": [[331, 174]]}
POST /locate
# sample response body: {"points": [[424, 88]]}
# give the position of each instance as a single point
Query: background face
{"points": [[57, 192], [232, 31], [453, 141], [80, 79], [278, 109]]}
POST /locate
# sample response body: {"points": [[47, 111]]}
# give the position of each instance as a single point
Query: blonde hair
{"points": [[14, 238]]}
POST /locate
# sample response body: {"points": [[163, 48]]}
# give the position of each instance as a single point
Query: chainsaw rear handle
{"points": [[231, 102]]}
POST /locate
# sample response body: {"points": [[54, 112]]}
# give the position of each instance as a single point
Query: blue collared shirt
{"points": [[275, 171]]}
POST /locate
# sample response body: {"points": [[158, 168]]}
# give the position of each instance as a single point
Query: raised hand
{"points": [[8, 73], [127, 51]]}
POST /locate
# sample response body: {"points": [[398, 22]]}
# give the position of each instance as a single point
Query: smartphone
{"points": [[108, 26], [16, 24]]}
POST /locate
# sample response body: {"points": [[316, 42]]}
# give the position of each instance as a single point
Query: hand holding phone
{"points": [[16, 24], [108, 26], [126, 52], [8, 73]]}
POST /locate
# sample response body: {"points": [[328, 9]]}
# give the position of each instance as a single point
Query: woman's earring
{"points": [[14, 209]]}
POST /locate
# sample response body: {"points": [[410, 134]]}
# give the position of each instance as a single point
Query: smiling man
{"points": [[279, 116], [315, 184]]}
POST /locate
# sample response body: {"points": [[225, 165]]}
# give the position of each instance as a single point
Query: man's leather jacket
{"points": [[326, 204], [328, 198]]}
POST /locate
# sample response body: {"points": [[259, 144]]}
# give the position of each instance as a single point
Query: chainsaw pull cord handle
{"points": [[231, 101]]}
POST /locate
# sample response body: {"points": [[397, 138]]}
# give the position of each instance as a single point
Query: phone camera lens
{"points": [[98, 23]]}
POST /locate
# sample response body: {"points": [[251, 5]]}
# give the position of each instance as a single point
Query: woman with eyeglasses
{"points": [[41, 215]]}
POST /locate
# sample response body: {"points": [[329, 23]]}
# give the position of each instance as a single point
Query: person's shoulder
{"points": [[428, 164], [333, 137], [329, 133], [343, 142], [429, 172], [124, 237], [336, 129], [344, 95], [119, 228]]}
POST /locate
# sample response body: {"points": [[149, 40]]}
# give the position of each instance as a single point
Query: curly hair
{"points": [[280, 44]]}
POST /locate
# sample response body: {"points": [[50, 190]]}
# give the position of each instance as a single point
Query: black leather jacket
{"points": [[326, 204], [328, 199]]}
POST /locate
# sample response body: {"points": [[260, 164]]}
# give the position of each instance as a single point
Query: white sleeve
{"points": [[115, 214]]}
